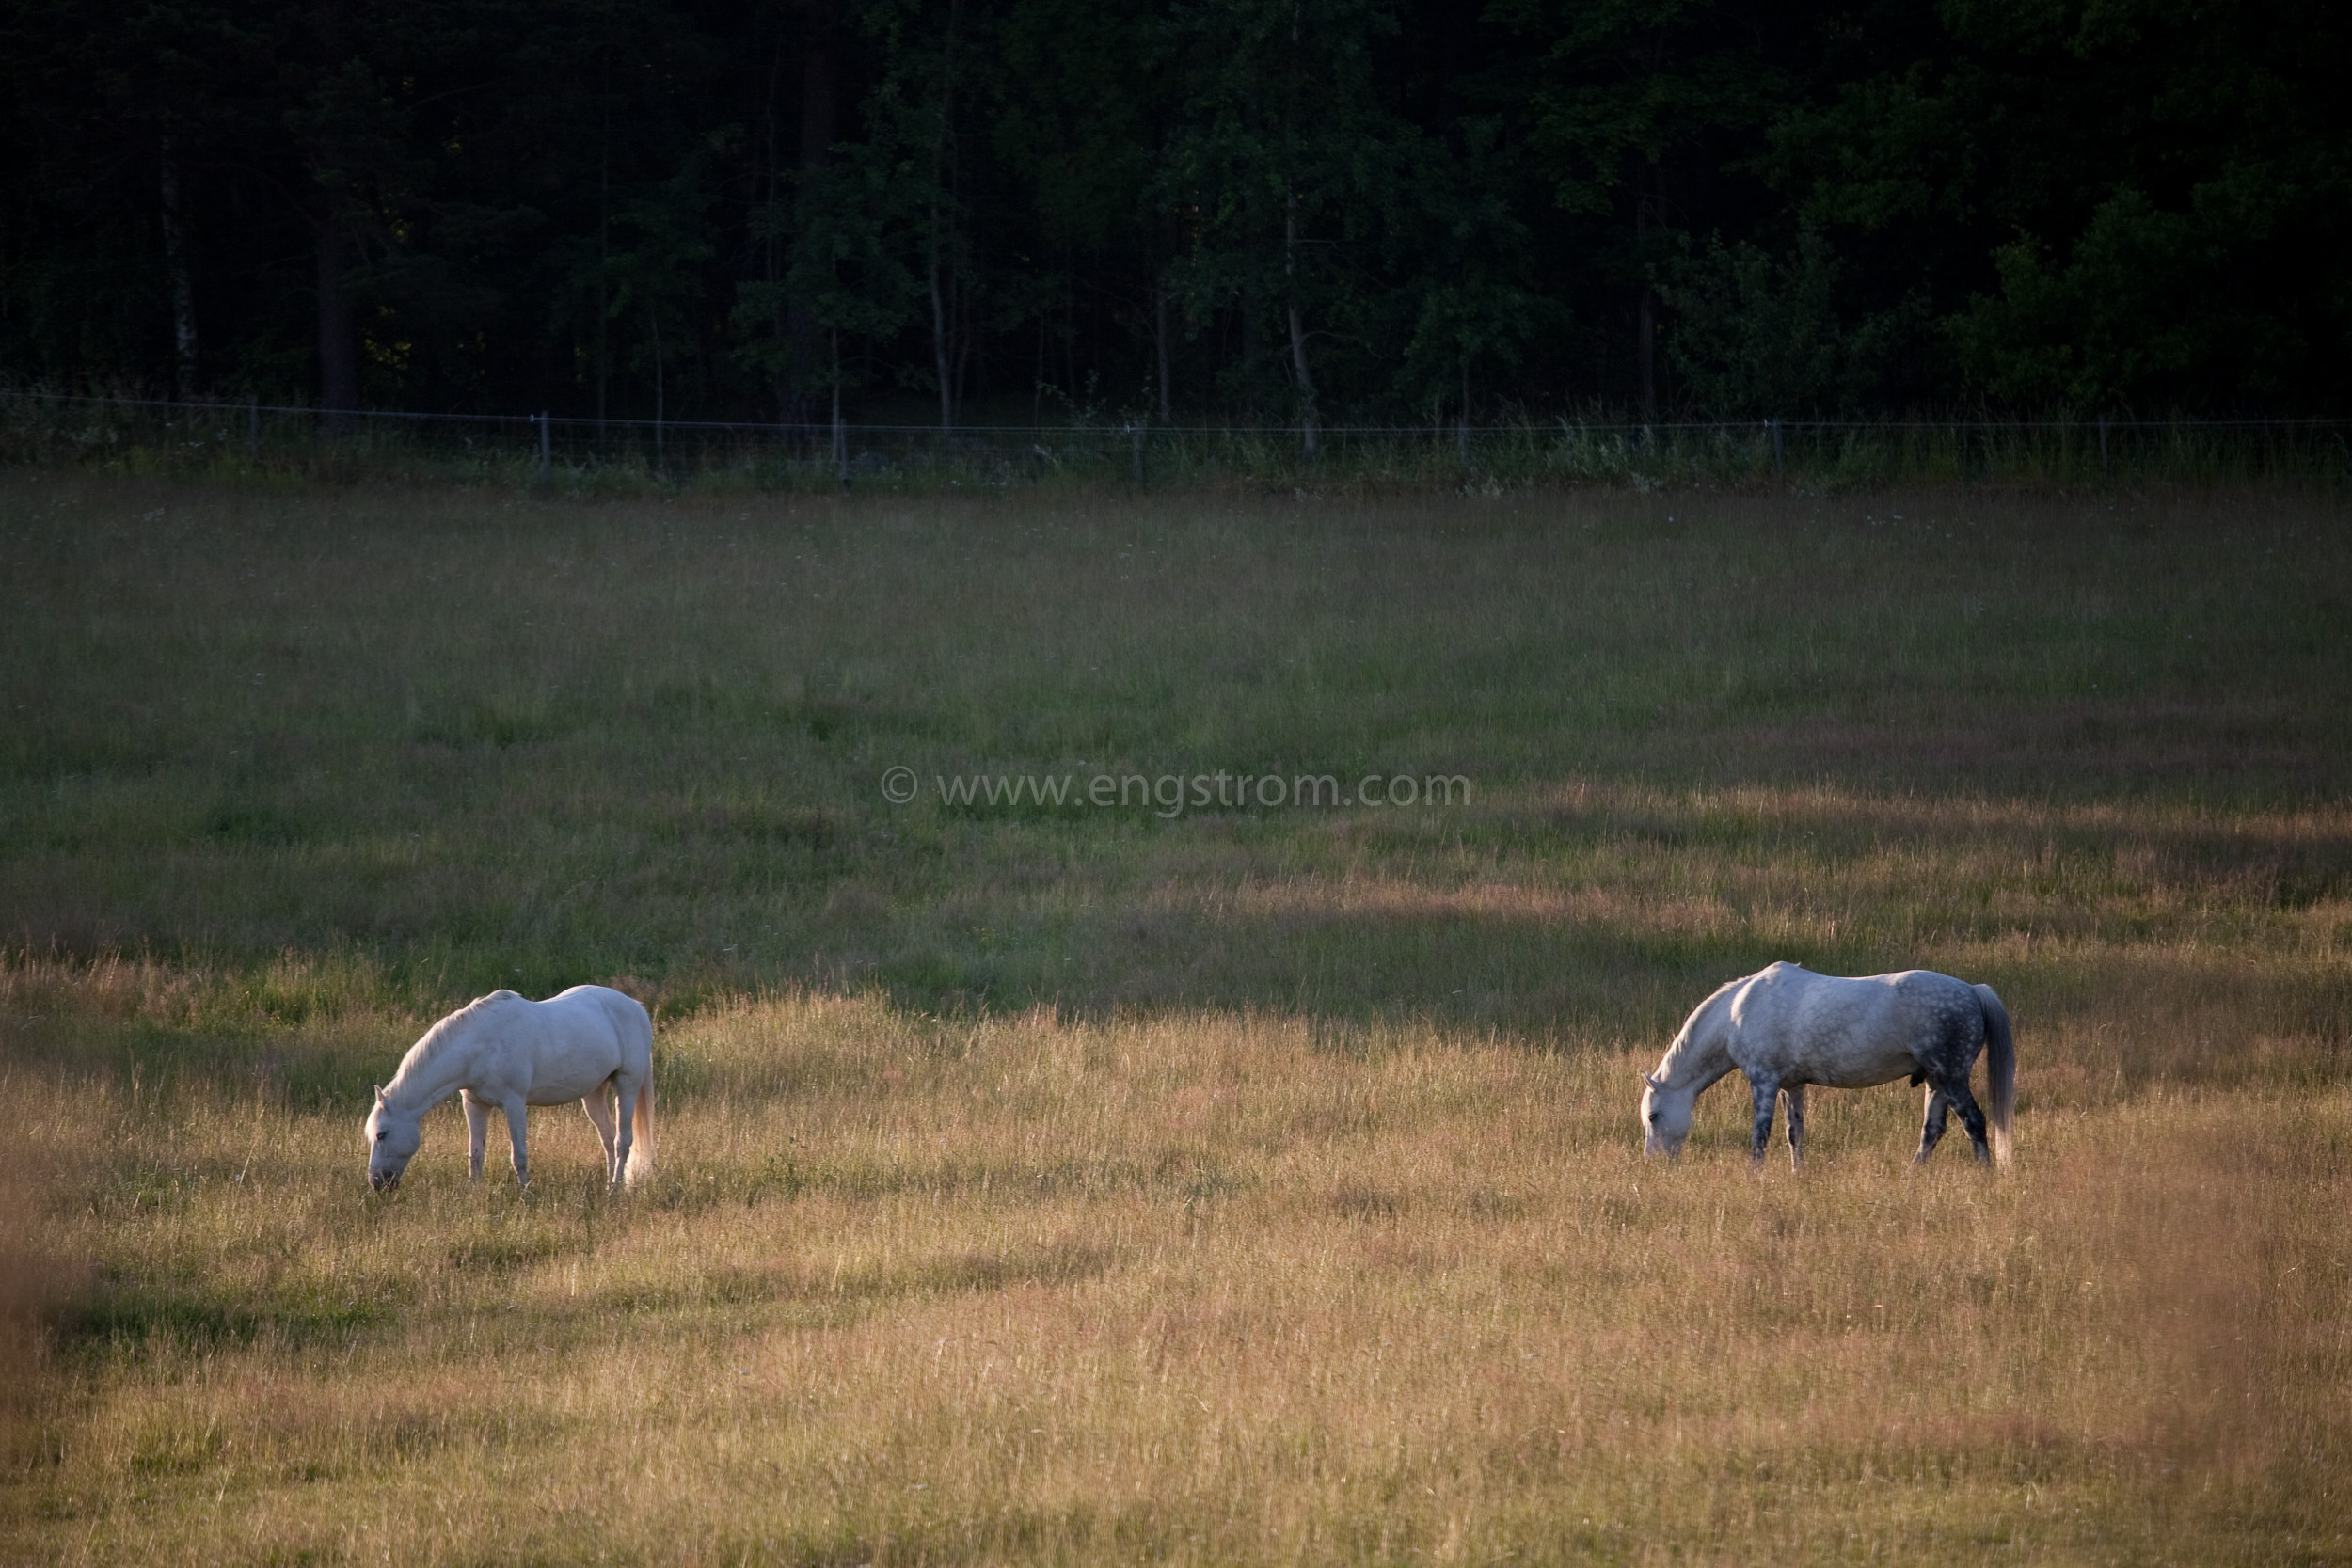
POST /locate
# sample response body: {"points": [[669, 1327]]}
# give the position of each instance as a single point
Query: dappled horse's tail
{"points": [[2000, 1060], [641, 1133]]}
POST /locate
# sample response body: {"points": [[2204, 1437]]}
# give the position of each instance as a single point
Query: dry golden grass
{"points": [[1201, 1288], [1248, 1187]]}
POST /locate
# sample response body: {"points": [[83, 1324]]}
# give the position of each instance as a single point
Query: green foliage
{"points": [[2107, 205], [1292, 169], [2139, 306], [1759, 335], [1351, 209]]}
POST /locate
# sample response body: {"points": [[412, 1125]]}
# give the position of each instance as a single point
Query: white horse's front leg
{"points": [[1767, 1091], [1795, 1094], [600, 1112], [477, 1133], [518, 1134]]}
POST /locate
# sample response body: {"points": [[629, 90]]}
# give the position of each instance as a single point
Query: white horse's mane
{"points": [[1687, 1038], [457, 1023]]}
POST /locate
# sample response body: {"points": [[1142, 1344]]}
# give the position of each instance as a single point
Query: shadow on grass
{"points": [[1362, 978], [1590, 913], [120, 1317]]}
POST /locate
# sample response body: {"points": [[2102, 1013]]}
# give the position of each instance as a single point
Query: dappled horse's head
{"points": [[392, 1140], [1665, 1117]]}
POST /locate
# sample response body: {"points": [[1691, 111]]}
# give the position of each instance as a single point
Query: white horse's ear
{"points": [[1652, 1082], [379, 1094]]}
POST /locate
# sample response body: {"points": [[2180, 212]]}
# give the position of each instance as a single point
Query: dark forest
{"points": [[1279, 210]]}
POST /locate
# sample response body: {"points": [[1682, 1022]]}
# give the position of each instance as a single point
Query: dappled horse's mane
{"points": [[1686, 1039], [437, 1037]]}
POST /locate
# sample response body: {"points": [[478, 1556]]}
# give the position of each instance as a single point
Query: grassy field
{"points": [[1229, 1183]]}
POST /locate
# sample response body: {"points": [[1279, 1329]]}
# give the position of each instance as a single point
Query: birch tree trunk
{"points": [[181, 277], [1308, 423], [660, 453], [943, 238], [818, 69], [1159, 342], [338, 333], [1649, 357], [939, 337]]}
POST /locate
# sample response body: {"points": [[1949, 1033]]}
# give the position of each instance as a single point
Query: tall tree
{"points": [[1291, 169], [1631, 106], [1326, 208]]}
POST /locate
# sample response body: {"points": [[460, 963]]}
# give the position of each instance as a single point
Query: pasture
{"points": [[1047, 1181]]}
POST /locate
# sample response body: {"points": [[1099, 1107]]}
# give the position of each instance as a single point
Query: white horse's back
{"points": [[567, 1046], [502, 1050], [573, 1028]]}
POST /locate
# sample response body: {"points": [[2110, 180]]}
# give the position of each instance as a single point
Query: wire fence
{"points": [[156, 436]]}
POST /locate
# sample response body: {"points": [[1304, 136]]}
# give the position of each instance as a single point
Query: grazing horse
{"points": [[504, 1051], [1785, 1027]]}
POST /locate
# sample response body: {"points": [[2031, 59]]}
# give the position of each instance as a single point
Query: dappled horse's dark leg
{"points": [[1930, 1125], [1971, 1116], [1795, 1094], [1767, 1091]]}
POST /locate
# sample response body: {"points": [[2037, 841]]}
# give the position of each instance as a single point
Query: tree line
{"points": [[1281, 211]]}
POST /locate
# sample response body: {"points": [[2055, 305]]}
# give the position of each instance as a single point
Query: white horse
{"points": [[504, 1051], [1785, 1027]]}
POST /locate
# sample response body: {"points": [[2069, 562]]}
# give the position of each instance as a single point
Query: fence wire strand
{"points": [[162, 435]]}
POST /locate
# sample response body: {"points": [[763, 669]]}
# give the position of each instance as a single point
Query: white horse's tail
{"points": [[641, 1135], [2000, 1060]]}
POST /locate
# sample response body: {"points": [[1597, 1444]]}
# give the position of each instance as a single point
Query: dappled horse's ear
{"points": [[1645, 1078]]}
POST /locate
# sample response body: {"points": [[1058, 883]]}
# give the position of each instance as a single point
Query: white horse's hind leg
{"points": [[600, 1112], [1767, 1092], [624, 1100], [477, 1133], [518, 1135], [1794, 1095], [1930, 1124]]}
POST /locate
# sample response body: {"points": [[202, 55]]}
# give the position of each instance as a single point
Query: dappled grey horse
{"points": [[1787, 1027]]}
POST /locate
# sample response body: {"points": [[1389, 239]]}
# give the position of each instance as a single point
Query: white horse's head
{"points": [[1665, 1117], [392, 1140]]}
